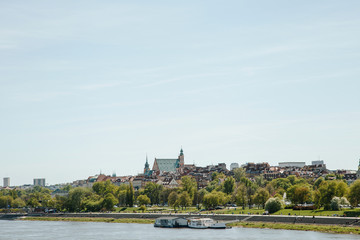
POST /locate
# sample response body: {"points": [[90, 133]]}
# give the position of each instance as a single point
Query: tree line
{"points": [[222, 190]]}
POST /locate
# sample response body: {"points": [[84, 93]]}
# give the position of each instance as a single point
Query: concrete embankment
{"points": [[218, 217]]}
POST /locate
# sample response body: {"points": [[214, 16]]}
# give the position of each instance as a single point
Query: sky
{"points": [[95, 86]]}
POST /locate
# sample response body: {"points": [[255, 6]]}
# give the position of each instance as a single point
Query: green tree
{"points": [[67, 188], [260, 181], [33, 202], [19, 203], [325, 193], [189, 185], [184, 200], [5, 201], [201, 193], [213, 199], [92, 202], [283, 183], [250, 190], [122, 197], [342, 189], [299, 194], [103, 188], [261, 196], [292, 179], [130, 195], [173, 200], [239, 173], [153, 191], [61, 202], [164, 195], [229, 185], [354, 193], [109, 201], [318, 182], [143, 200], [76, 198], [241, 196]]}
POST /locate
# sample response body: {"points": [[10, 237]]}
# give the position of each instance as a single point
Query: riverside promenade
{"points": [[346, 221]]}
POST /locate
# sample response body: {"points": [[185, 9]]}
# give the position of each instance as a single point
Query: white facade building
{"points": [[317, 162], [233, 166], [292, 164]]}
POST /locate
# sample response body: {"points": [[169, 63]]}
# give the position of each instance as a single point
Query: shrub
{"points": [[336, 203], [142, 208], [273, 205]]}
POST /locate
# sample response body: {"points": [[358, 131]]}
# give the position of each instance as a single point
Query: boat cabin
{"points": [[200, 222]]}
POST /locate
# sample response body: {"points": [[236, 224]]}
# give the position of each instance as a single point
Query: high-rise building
{"points": [[6, 181], [39, 182]]}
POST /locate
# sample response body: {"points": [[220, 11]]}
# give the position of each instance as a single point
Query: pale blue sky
{"points": [[90, 85]]}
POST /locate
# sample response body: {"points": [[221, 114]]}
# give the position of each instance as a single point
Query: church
{"points": [[173, 165]]}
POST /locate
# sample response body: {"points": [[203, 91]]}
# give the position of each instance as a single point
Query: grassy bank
{"points": [[90, 219], [300, 227], [239, 210]]}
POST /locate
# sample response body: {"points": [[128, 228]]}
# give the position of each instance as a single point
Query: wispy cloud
{"points": [[40, 97], [102, 85], [180, 78], [7, 46]]}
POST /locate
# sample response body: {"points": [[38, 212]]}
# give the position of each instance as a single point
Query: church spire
{"points": [[146, 168]]}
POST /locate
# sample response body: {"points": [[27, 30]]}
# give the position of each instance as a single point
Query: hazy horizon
{"points": [[89, 85]]}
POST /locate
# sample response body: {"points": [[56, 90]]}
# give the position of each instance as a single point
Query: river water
{"points": [[14, 230]]}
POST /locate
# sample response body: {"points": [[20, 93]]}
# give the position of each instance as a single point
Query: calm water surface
{"points": [[76, 230]]}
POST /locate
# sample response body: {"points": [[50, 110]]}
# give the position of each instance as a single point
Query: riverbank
{"points": [[90, 219], [263, 225], [300, 227]]}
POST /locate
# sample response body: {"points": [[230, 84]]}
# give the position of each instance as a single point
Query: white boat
{"points": [[200, 223]]}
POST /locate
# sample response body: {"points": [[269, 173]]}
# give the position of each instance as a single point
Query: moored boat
{"points": [[171, 222], [200, 223]]}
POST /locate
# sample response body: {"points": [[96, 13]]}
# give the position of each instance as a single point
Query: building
{"points": [[292, 164], [358, 171], [39, 182], [318, 162], [147, 171], [256, 168], [233, 166], [6, 182], [169, 164]]}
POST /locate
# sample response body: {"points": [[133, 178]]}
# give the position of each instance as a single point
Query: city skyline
{"points": [[151, 163], [90, 86]]}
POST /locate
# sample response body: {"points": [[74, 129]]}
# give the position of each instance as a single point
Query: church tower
{"points": [[146, 168], [181, 159]]}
